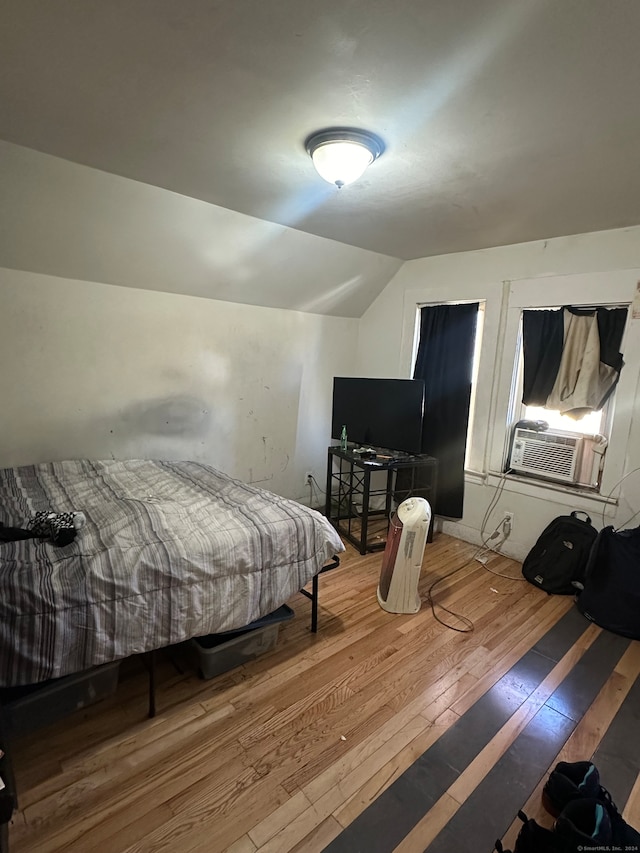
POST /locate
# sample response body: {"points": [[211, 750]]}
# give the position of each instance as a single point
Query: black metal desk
{"points": [[350, 493]]}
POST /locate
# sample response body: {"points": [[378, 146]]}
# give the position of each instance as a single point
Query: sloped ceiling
{"points": [[62, 219], [504, 121]]}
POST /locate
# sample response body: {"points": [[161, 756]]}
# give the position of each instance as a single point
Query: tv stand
{"points": [[350, 492]]}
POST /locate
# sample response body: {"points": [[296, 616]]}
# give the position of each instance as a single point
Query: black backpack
{"points": [[558, 560], [611, 594]]}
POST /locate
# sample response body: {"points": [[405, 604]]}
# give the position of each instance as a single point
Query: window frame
{"points": [[518, 409], [580, 290]]}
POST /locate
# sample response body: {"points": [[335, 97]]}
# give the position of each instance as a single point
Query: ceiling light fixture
{"points": [[341, 155]]}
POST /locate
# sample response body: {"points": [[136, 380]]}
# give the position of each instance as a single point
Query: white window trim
{"points": [[601, 508]]}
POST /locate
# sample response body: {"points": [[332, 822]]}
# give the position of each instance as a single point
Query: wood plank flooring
{"points": [[293, 751]]}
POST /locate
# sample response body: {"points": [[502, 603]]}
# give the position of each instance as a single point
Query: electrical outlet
{"points": [[508, 516], [308, 478]]}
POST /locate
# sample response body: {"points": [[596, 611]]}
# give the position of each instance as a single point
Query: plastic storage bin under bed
{"points": [[218, 653], [36, 705]]}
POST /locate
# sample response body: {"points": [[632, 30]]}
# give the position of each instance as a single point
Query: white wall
{"points": [[558, 271], [98, 371], [109, 347]]}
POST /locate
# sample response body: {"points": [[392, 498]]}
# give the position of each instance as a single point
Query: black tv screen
{"points": [[385, 413]]}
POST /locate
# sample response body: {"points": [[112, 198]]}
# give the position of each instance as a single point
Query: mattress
{"points": [[169, 551]]}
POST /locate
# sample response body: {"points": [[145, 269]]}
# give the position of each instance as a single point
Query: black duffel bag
{"points": [[611, 594]]}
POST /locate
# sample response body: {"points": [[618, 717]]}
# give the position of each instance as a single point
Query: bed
{"points": [[169, 551]]}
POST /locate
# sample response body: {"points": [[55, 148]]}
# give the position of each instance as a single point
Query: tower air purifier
{"points": [[402, 560]]}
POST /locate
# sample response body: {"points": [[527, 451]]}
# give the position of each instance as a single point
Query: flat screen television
{"points": [[379, 412]]}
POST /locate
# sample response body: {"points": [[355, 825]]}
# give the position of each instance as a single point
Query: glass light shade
{"points": [[341, 154], [341, 162]]}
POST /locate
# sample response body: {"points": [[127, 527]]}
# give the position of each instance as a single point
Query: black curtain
{"points": [[542, 342], [445, 362], [611, 323]]}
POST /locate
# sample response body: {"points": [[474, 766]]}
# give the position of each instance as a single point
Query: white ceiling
{"points": [[504, 120]]}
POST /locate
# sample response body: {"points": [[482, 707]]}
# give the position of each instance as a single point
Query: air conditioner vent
{"points": [[552, 455], [551, 458], [555, 438]]}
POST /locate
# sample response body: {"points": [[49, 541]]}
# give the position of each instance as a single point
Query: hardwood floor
{"points": [[287, 751]]}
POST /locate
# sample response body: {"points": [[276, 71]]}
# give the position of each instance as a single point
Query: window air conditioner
{"points": [[565, 457]]}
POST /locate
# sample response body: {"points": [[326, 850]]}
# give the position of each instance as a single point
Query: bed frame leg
{"points": [[152, 683], [313, 596], [314, 605]]}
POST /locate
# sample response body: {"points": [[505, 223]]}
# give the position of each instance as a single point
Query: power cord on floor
{"points": [[467, 623], [469, 626], [503, 528]]}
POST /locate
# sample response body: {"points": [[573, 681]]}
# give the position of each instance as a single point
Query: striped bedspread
{"points": [[170, 550]]}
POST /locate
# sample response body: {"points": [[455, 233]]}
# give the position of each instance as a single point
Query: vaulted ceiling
{"points": [[504, 120]]}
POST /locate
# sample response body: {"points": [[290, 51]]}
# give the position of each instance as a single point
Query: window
{"points": [[608, 290], [592, 424], [570, 449]]}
